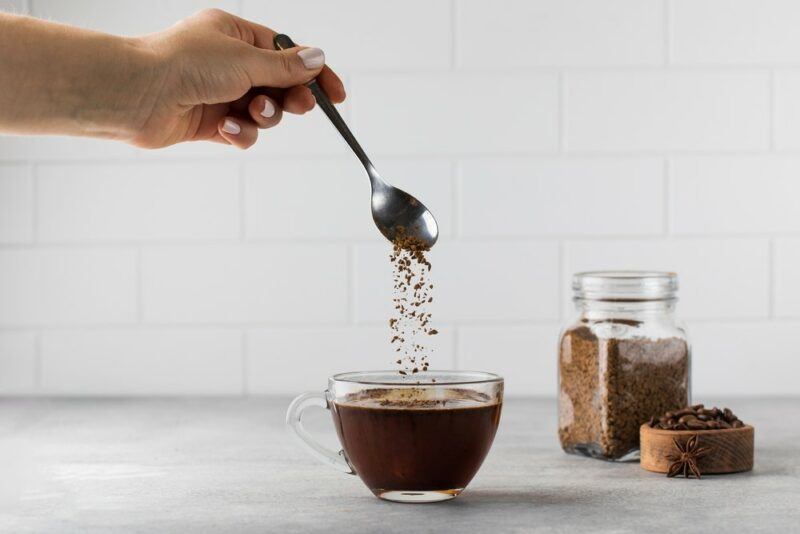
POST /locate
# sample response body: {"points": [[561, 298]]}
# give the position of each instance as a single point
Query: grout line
{"points": [[562, 112], [454, 59], [245, 370], [37, 360], [242, 204], [562, 279], [350, 267], [456, 348], [411, 156], [773, 109], [667, 201], [456, 188], [312, 241], [33, 173], [138, 284], [771, 279], [667, 33]]}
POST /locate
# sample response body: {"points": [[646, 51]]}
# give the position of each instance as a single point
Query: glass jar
{"points": [[623, 360]]}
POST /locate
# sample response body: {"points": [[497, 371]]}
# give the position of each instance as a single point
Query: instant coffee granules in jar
{"points": [[624, 360]]}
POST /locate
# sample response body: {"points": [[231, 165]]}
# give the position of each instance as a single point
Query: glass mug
{"points": [[410, 440]]}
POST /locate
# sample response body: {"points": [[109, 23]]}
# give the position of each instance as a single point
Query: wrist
{"points": [[116, 100]]}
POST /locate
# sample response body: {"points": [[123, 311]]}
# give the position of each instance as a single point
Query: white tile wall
{"points": [[279, 359], [137, 202], [16, 204], [456, 113], [735, 31], [720, 278], [135, 362], [17, 362], [667, 110], [560, 197], [363, 34], [548, 136], [62, 286], [514, 33], [234, 283]]}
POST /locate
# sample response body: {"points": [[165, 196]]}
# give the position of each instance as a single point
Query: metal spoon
{"points": [[393, 210]]}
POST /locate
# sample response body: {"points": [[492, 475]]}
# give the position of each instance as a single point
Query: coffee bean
{"points": [[696, 424], [737, 424]]}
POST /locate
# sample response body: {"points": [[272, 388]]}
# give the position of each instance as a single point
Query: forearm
{"points": [[57, 79]]}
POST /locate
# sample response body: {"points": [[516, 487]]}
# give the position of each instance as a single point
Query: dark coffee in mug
{"points": [[410, 439], [401, 440]]}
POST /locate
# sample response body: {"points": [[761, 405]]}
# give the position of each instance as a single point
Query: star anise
{"points": [[685, 460]]}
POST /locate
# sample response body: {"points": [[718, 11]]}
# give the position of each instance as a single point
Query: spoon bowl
{"points": [[393, 210]]}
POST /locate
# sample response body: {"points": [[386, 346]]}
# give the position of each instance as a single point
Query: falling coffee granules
{"points": [[412, 292], [609, 387]]}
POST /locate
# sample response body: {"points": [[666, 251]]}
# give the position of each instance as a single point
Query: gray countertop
{"points": [[206, 465]]}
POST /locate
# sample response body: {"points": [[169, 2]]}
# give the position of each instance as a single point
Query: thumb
{"points": [[284, 68]]}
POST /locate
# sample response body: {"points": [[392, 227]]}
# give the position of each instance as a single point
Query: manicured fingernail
{"points": [[269, 109], [231, 127], [313, 58]]}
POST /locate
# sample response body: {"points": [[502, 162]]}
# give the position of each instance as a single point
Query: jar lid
{"points": [[625, 285]]}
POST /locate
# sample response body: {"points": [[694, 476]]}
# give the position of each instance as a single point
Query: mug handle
{"points": [[294, 421]]}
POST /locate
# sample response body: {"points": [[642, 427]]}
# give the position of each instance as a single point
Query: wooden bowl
{"points": [[731, 448]]}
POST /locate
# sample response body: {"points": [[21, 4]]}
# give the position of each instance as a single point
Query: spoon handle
{"points": [[282, 42]]}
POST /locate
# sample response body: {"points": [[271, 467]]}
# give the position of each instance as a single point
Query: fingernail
{"points": [[231, 127], [269, 109], [313, 58]]}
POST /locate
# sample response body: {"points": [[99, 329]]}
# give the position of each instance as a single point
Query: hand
{"points": [[218, 77]]}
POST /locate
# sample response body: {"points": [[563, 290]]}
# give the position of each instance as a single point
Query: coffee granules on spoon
{"points": [[412, 292]]}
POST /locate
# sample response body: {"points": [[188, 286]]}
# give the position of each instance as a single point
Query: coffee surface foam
{"points": [[417, 398]]}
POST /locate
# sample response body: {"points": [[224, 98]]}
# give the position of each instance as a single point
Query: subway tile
{"points": [[16, 204], [330, 198], [18, 7], [137, 201], [125, 18], [735, 31], [715, 195], [539, 197], [456, 113], [743, 358], [667, 110], [292, 360], [17, 362], [50, 148], [473, 281], [557, 33], [67, 287], [142, 362], [524, 355], [787, 109], [367, 34], [266, 283], [787, 283], [719, 278]]}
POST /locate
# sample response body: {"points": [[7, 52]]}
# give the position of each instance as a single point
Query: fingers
{"points": [[298, 100], [264, 111], [241, 133], [283, 68], [332, 85]]}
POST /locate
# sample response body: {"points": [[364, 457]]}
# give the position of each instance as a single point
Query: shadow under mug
{"points": [[410, 439]]}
